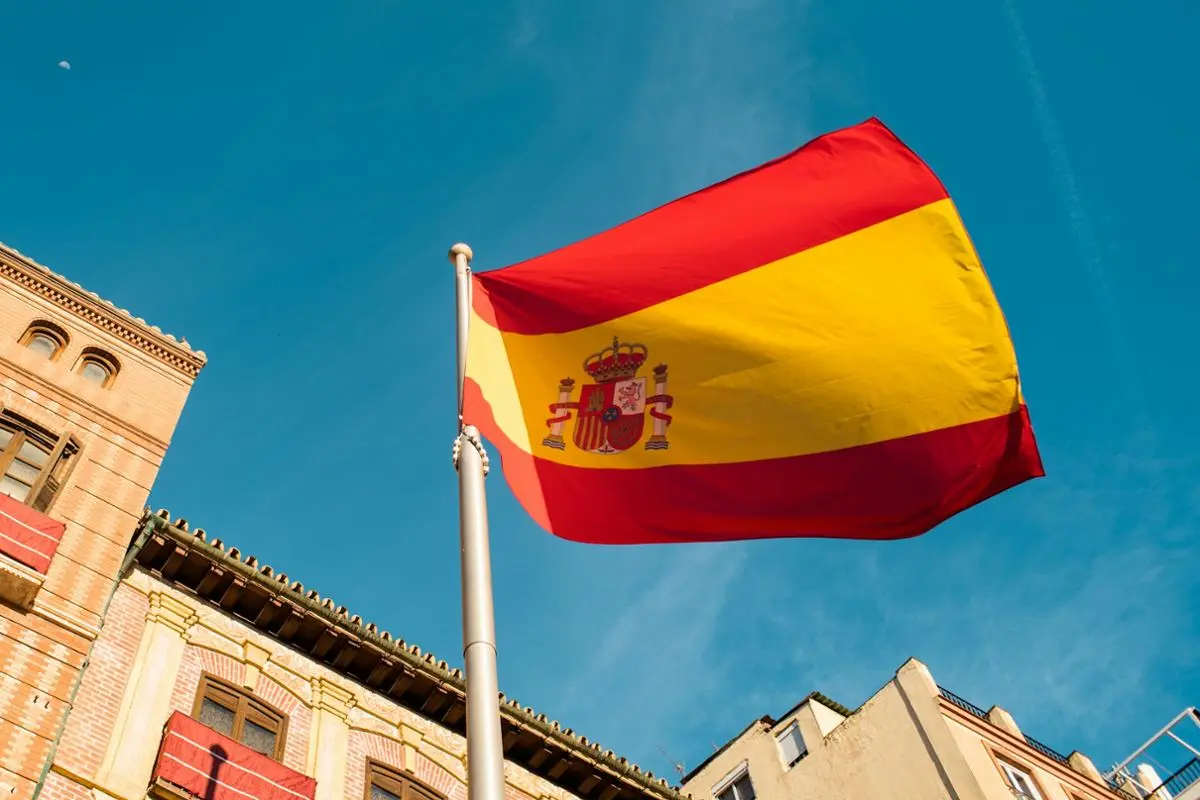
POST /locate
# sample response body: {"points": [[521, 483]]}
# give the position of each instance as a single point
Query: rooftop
{"points": [[72, 297], [770, 722], [322, 630]]}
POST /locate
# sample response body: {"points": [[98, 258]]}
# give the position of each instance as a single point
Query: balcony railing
{"points": [[1045, 750], [971, 708], [1184, 777], [196, 761]]}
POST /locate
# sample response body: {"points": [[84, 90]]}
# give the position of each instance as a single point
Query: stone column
{"points": [[329, 738], [146, 702]]}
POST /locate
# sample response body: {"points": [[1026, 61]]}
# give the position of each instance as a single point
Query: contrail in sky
{"points": [[1081, 224]]}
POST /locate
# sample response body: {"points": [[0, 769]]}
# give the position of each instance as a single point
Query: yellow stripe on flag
{"points": [[887, 332]]}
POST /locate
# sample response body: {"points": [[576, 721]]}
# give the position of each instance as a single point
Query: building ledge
{"points": [[326, 633], [19, 584]]}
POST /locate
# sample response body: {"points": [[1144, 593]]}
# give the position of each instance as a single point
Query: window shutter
{"points": [[46, 486], [791, 745]]}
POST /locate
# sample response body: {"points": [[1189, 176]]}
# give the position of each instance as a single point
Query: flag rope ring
{"points": [[472, 437]]}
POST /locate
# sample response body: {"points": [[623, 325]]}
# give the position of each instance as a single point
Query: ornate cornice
{"points": [[317, 629], [91, 308]]}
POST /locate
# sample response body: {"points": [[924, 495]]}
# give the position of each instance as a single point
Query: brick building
{"points": [[140, 657], [90, 397]]}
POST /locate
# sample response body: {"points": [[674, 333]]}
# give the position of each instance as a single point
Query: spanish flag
{"points": [[808, 349]]}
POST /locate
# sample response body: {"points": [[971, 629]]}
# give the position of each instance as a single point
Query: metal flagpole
{"points": [[485, 754]]}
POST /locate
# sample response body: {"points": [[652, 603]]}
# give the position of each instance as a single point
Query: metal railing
{"points": [[965, 705], [1051, 753], [971, 708], [1184, 777]]}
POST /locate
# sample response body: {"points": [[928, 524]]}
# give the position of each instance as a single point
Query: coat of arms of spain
{"points": [[612, 411]]}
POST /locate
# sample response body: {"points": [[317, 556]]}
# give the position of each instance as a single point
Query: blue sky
{"points": [[279, 183]]}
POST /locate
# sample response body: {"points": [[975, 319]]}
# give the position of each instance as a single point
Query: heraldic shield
{"points": [[612, 411], [612, 416]]}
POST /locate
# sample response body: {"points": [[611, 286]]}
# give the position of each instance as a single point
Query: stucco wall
{"points": [[984, 746], [875, 753]]}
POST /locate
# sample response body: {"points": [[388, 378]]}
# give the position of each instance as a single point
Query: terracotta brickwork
{"points": [[59, 788], [99, 696], [365, 745], [214, 643], [122, 431]]}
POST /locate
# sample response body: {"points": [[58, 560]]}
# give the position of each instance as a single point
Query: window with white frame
{"points": [[738, 787], [1021, 783], [791, 745]]}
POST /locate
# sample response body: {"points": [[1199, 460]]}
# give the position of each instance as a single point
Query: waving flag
{"points": [[808, 349]]}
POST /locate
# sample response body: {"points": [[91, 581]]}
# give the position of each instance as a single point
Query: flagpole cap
{"points": [[461, 249]]}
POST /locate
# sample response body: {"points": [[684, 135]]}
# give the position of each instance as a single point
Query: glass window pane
{"points": [[25, 473], [5, 437], [256, 737], [95, 372], [13, 488], [1021, 783], [378, 793], [216, 716], [33, 454], [727, 794], [745, 789], [41, 343]]}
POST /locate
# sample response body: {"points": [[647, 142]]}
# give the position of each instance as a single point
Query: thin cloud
{"points": [[64, 65], [1082, 228], [657, 657]]}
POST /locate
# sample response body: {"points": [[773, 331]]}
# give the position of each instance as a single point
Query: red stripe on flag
{"points": [[887, 490], [833, 186]]}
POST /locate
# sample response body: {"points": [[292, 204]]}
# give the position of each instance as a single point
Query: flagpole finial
{"points": [[461, 249]]}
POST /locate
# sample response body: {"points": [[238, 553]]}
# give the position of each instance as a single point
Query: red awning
{"points": [[206, 764], [28, 536]]}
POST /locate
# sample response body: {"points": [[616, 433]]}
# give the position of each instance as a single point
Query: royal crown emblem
{"points": [[612, 411]]}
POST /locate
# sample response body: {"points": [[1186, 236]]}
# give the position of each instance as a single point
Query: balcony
{"points": [[194, 761], [28, 541], [1183, 785]]}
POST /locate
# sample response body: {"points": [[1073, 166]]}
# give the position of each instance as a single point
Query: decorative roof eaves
{"points": [[438, 670], [72, 297]]}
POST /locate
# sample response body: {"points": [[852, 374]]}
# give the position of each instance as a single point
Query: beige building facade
{"points": [[140, 657], [912, 740]]}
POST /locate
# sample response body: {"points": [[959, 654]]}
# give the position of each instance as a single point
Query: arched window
{"points": [[97, 366], [45, 338], [386, 783], [240, 715]]}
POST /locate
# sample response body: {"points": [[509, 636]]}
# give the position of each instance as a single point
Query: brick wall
{"points": [[123, 431], [99, 699], [295, 747], [59, 788], [363, 745]]}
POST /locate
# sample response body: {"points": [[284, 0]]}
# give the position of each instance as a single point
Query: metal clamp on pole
{"points": [[485, 752]]}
